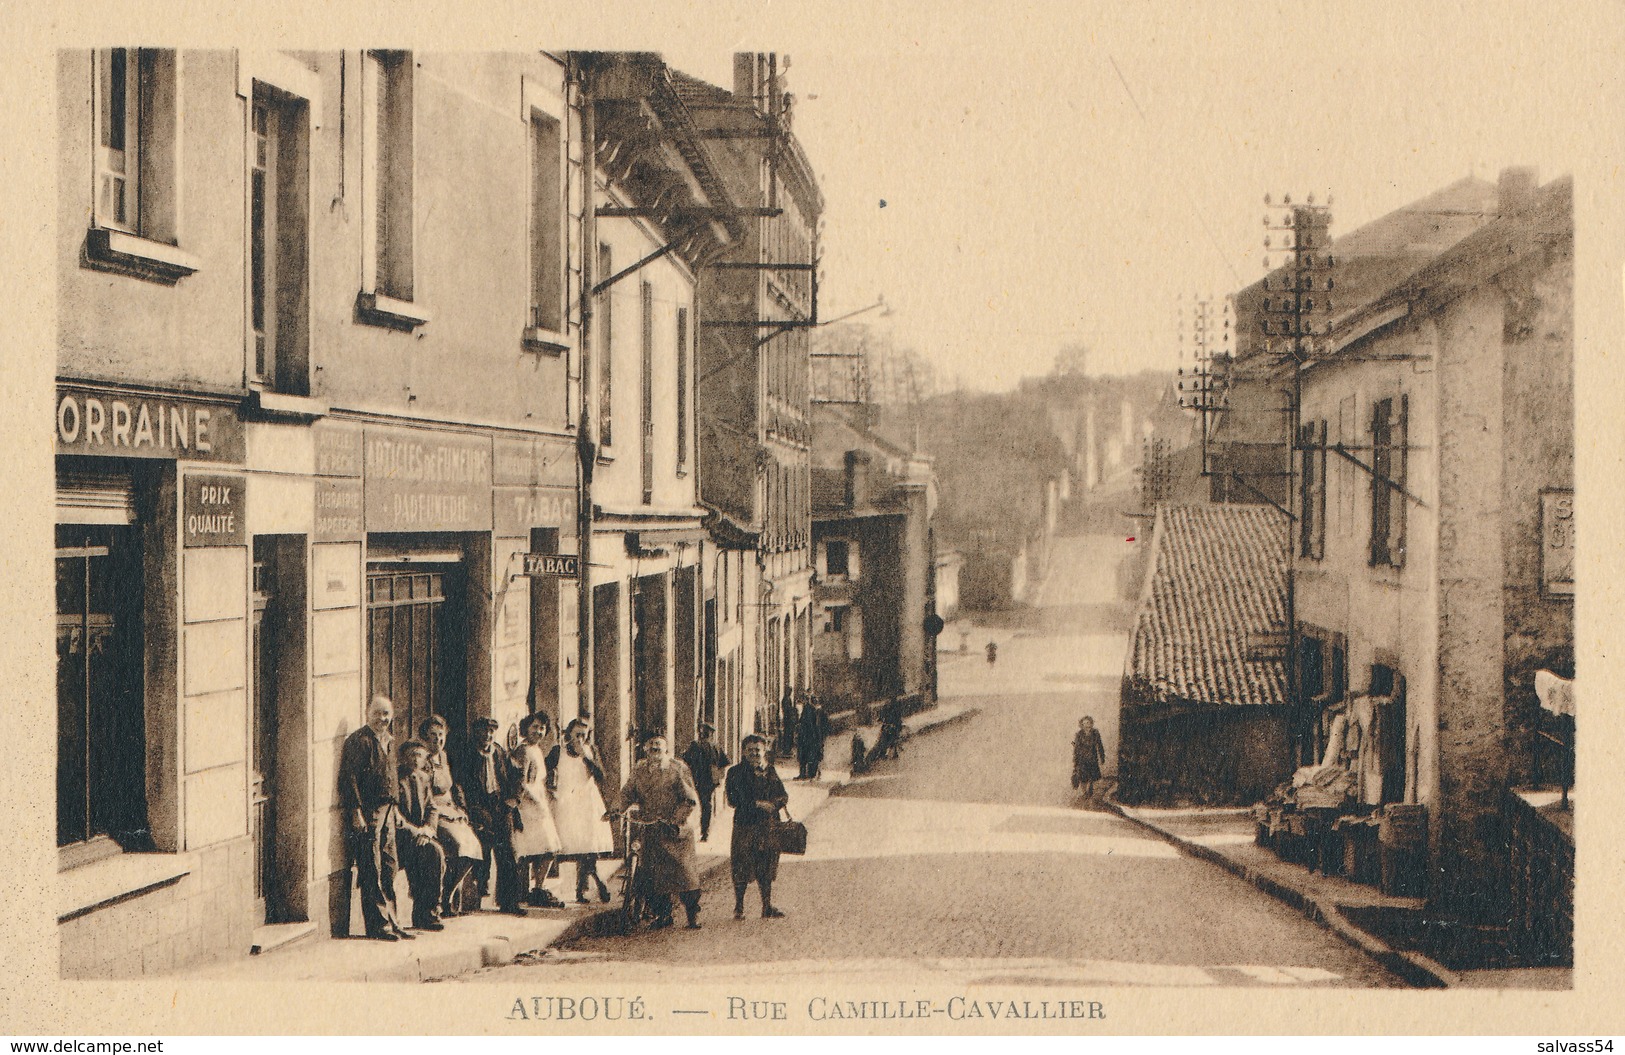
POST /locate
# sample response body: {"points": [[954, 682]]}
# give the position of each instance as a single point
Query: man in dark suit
{"points": [[491, 789], [417, 837], [810, 732], [704, 758], [367, 790], [757, 795]]}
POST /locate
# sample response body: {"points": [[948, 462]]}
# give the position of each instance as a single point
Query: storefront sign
{"points": [[552, 565], [518, 509], [1557, 543], [426, 481], [534, 462], [338, 511], [338, 450], [113, 424], [212, 509]]}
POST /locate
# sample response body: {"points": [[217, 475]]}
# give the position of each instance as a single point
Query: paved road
{"points": [[970, 859]]}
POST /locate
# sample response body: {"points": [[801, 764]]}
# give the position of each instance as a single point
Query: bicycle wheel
{"points": [[631, 898]]}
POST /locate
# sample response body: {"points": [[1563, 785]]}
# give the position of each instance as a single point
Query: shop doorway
{"points": [[417, 634], [101, 727], [608, 723], [685, 665], [649, 655], [544, 630], [278, 769]]}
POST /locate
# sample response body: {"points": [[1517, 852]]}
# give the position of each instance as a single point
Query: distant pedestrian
{"points": [[757, 795], [860, 753], [810, 729], [705, 761], [787, 724], [1088, 754], [992, 653]]}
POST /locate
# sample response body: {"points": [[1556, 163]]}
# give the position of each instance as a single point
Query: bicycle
{"points": [[634, 907]]}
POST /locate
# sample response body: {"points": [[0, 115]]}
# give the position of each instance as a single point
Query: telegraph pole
{"points": [[1297, 307]]}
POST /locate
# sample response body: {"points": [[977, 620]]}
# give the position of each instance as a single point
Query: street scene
{"points": [[548, 520], [970, 860]]}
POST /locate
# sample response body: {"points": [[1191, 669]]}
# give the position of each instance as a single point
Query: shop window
{"points": [[135, 206], [389, 279], [101, 725], [1389, 427], [278, 242], [605, 311], [546, 226]]}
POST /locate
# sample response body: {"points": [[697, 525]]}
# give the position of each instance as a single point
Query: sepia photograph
{"points": [[1050, 521]]}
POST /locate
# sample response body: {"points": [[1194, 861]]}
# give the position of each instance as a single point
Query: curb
{"points": [[587, 923], [1413, 967]]}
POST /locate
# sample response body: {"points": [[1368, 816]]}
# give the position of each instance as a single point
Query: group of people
{"points": [[803, 732], [506, 815], [510, 816]]}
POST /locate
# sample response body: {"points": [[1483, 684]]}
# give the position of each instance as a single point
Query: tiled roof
{"points": [[1218, 580]]}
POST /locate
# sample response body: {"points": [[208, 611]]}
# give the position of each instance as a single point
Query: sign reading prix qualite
{"points": [[426, 481], [212, 509], [552, 565]]}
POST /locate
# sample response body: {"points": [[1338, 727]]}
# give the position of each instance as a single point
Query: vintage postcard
{"points": [[1050, 520]]}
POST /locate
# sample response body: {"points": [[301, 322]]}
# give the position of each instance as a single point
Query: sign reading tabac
{"points": [[426, 481], [552, 565], [115, 424]]}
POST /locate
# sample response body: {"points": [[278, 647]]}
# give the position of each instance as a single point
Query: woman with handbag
{"points": [[757, 795]]}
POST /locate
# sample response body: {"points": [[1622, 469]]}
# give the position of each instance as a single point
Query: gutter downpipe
{"points": [[586, 434]]}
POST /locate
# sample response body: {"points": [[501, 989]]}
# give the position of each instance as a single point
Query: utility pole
{"points": [[1296, 321], [1204, 378]]}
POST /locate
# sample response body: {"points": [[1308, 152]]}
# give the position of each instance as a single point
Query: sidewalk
{"points": [[488, 938], [1225, 837]]}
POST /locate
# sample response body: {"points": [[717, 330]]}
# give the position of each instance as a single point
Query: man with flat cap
{"points": [[491, 789], [367, 792], [705, 760]]}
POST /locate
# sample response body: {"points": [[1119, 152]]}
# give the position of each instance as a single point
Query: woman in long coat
{"points": [[1088, 754], [663, 791]]}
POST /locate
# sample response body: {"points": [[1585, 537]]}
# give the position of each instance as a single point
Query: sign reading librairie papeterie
{"points": [[555, 565], [212, 509]]}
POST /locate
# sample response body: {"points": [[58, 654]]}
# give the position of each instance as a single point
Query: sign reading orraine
{"points": [[116, 424], [426, 481]]}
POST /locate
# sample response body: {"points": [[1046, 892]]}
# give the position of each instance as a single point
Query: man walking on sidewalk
{"points": [[705, 759], [757, 795]]}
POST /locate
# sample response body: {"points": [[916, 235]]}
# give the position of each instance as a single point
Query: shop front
{"points": [[152, 668]]}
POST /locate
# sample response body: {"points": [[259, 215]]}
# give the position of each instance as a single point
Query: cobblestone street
{"points": [[970, 859]]}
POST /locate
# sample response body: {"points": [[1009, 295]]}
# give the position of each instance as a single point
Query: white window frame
{"points": [[283, 75], [145, 243], [374, 305], [545, 100]]}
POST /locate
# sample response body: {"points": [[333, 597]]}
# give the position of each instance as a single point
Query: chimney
{"points": [[745, 75], [857, 478], [1517, 189]]}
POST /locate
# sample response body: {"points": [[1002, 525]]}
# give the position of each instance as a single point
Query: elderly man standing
{"points": [[367, 792], [663, 790]]}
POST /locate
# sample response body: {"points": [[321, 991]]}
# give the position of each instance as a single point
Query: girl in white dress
{"points": [[536, 838], [576, 780]]}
